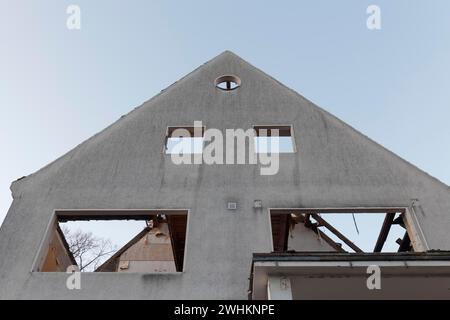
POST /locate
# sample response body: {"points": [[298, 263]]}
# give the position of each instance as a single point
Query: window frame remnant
{"points": [[283, 131], [177, 230], [192, 133], [413, 239], [50, 252]]}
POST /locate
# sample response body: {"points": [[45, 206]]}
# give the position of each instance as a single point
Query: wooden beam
{"points": [[322, 222], [385, 228], [340, 210], [307, 222], [399, 220], [286, 232], [280, 231], [177, 229], [330, 241], [405, 245]]}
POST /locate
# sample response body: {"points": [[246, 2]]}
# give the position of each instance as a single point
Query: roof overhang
{"points": [[319, 275]]}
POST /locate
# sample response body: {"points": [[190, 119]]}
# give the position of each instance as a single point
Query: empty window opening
{"points": [[350, 231], [227, 82], [274, 139], [138, 242], [184, 140]]}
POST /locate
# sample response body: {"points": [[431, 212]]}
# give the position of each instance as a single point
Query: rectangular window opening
{"points": [[184, 140], [341, 230], [274, 139], [150, 241]]}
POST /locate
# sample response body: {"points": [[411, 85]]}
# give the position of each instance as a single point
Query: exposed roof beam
{"points": [[307, 222], [399, 221], [340, 210], [385, 228], [330, 241], [322, 222], [405, 244]]}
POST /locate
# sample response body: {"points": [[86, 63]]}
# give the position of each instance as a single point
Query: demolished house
{"points": [[158, 248], [226, 231], [155, 249]]}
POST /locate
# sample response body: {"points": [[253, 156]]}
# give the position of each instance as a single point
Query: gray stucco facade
{"points": [[124, 167]]}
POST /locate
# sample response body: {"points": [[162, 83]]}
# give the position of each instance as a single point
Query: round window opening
{"points": [[227, 82]]}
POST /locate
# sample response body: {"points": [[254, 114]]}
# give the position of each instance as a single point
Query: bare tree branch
{"points": [[89, 251]]}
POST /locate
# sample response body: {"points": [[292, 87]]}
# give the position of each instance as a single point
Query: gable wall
{"points": [[124, 167]]}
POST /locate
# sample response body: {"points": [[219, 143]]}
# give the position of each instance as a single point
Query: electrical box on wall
{"points": [[232, 205]]}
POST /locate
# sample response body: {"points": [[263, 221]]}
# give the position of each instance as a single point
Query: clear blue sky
{"points": [[59, 87]]}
